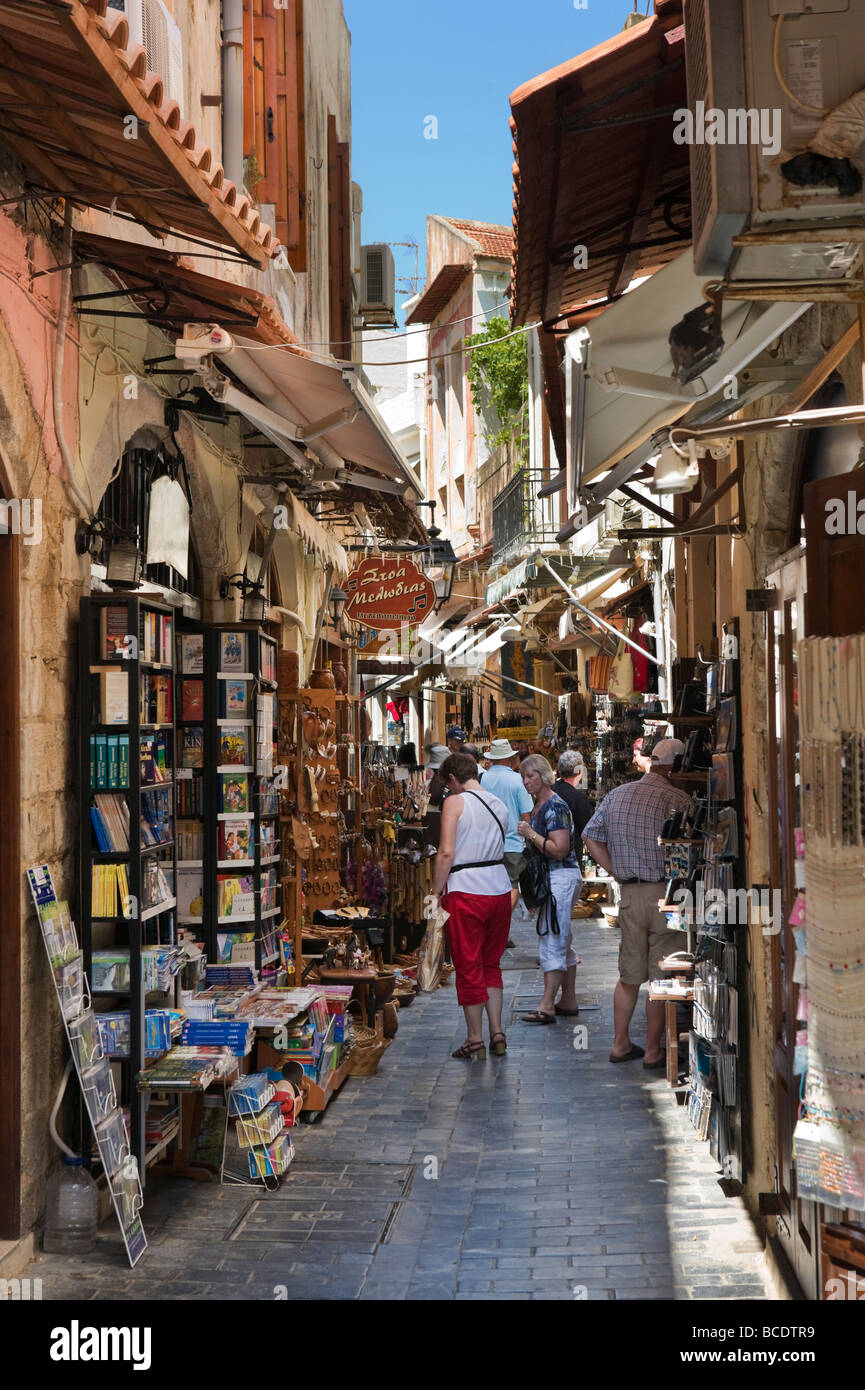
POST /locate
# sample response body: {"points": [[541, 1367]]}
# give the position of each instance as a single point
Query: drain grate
{"points": [[352, 1203]]}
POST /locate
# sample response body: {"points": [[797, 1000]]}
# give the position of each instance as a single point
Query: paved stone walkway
{"points": [[547, 1174]]}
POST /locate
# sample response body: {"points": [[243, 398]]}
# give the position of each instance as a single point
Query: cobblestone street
{"points": [[558, 1177]]}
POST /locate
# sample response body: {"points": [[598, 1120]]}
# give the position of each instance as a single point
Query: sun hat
{"points": [[499, 750], [455, 732], [436, 755], [667, 750]]}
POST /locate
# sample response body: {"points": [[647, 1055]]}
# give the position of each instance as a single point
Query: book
{"points": [[192, 653], [193, 748], [233, 792], [725, 726], [235, 896], [234, 745], [123, 760], [267, 653], [112, 813], [156, 698], [101, 762], [234, 839], [113, 631], [113, 695], [113, 761], [190, 902], [232, 699], [153, 751], [192, 700], [232, 651]]}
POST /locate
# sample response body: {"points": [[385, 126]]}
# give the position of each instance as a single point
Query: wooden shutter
{"points": [[339, 241], [273, 115]]}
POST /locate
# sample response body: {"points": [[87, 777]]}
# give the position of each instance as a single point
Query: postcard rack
{"points": [[66, 960], [260, 1133]]}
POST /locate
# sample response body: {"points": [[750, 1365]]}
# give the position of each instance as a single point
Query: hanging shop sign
{"points": [[388, 592]]}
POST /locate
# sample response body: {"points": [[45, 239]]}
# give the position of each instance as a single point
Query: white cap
{"points": [[666, 750]]}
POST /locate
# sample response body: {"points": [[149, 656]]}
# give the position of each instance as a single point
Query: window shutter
{"points": [[273, 114], [339, 241]]}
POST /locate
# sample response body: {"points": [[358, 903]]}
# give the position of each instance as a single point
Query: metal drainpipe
{"points": [[232, 90]]}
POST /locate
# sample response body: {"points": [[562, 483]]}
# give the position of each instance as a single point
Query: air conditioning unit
{"points": [[760, 74], [152, 24], [377, 286]]}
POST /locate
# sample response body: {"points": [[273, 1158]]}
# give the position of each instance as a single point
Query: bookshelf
{"points": [[240, 818], [127, 846]]}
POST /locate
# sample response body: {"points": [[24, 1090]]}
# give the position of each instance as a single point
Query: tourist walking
{"points": [[571, 770], [505, 782], [622, 837], [550, 830], [471, 882]]}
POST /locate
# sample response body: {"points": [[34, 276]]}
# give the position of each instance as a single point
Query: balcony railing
{"points": [[520, 520]]}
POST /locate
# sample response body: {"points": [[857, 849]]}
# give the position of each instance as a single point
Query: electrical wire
{"points": [[410, 362], [782, 82], [392, 337]]}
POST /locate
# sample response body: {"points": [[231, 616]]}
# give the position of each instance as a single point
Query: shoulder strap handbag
{"points": [[483, 863], [536, 889]]}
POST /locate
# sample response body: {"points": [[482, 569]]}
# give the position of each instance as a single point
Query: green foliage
{"points": [[498, 375]]}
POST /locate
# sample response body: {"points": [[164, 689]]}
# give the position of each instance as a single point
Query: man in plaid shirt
{"points": [[622, 837]]}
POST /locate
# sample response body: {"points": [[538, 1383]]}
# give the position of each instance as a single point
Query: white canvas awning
{"points": [[630, 392], [302, 405]]}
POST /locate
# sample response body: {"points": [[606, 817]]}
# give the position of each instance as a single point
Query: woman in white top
{"points": [[470, 866]]}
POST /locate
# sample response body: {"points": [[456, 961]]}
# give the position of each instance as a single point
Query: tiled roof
{"points": [[68, 83], [592, 169], [491, 239]]}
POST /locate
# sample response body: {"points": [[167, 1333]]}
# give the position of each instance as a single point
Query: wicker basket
{"points": [[363, 1061], [364, 1036]]}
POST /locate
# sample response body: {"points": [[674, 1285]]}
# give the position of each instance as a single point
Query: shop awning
{"points": [[325, 545], [595, 165], [630, 392], [302, 405], [69, 86], [438, 293]]}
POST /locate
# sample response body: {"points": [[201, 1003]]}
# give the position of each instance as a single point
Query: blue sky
{"points": [[457, 60]]}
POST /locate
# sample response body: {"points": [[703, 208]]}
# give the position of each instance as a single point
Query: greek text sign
{"points": [[388, 591]]}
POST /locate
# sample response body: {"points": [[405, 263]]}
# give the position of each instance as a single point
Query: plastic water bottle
{"points": [[71, 1211]]}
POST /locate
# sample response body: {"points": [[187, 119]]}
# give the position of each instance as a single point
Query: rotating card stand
{"points": [[93, 1068], [260, 1126]]}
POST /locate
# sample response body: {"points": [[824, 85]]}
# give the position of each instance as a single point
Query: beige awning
{"points": [[329, 551]]}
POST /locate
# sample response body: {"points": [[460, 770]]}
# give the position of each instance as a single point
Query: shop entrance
{"points": [[798, 1228], [10, 890]]}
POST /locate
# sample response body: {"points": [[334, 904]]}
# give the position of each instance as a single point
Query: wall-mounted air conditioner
{"points": [[762, 76], [152, 24], [377, 285]]}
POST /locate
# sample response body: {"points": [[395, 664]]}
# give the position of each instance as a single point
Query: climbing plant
{"points": [[498, 376]]}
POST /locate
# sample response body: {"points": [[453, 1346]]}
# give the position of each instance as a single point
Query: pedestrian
{"points": [[456, 737], [551, 831], [505, 782], [568, 786], [622, 837], [474, 752], [471, 882], [642, 759], [436, 755]]}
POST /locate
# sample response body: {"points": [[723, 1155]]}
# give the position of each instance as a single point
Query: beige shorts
{"points": [[645, 936]]}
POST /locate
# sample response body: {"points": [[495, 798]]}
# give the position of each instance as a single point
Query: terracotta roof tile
{"points": [[492, 240], [438, 293], [78, 55]]}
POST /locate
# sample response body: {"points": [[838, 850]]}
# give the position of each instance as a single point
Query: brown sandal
{"points": [[474, 1052], [498, 1049]]}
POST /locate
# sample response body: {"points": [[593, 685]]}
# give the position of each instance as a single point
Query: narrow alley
{"points": [[547, 1174]]}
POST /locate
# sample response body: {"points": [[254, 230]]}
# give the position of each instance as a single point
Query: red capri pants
{"points": [[477, 930]]}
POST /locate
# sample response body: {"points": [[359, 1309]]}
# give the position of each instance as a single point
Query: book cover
{"points": [[123, 760], [192, 653], [113, 631], [233, 698], [193, 748], [113, 761], [192, 700], [234, 745], [101, 762], [234, 792], [114, 697], [232, 649], [234, 839], [190, 902]]}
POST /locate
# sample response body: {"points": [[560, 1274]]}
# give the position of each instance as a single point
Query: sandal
{"points": [[567, 1013], [536, 1016], [498, 1049], [475, 1052]]}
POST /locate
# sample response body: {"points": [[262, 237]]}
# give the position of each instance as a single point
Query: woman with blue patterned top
{"points": [[551, 831]]}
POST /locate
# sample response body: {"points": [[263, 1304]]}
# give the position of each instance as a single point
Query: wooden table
{"points": [[671, 1003]]}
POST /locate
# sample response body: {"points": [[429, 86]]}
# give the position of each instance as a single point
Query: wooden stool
{"points": [[361, 979]]}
